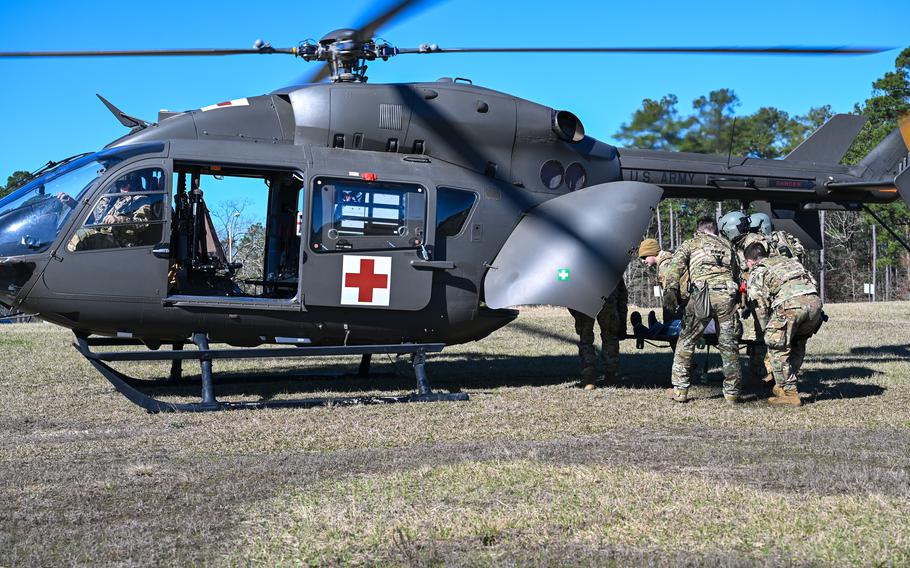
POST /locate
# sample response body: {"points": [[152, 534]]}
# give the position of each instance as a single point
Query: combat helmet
{"points": [[733, 224], [761, 222]]}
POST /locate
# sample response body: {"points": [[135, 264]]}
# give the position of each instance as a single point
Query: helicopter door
{"points": [[365, 244], [108, 253], [572, 250]]}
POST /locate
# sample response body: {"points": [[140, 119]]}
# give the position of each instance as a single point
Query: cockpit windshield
{"points": [[32, 216]]}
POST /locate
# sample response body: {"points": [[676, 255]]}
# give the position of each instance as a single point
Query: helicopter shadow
{"points": [[477, 370], [482, 372], [472, 370]]}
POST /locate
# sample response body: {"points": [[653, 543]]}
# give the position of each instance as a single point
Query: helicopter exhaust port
{"points": [[568, 126]]}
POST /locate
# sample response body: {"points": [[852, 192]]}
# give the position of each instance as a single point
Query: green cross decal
{"points": [[562, 274]]}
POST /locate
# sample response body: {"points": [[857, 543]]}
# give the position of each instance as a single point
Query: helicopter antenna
{"points": [[122, 117], [732, 138]]}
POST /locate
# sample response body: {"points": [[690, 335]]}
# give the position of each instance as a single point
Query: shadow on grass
{"points": [[479, 371], [899, 352], [829, 384], [469, 371]]}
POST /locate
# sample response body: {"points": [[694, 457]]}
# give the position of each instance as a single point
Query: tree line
{"points": [[856, 250]]}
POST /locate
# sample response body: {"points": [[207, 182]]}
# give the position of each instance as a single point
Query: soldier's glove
{"points": [[671, 300]]}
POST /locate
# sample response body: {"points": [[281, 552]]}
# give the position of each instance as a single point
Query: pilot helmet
{"points": [[761, 222], [733, 224], [131, 179]]}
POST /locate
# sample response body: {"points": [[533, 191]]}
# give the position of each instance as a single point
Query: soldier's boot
{"points": [[589, 378], [732, 399], [678, 395], [652, 319], [783, 397], [638, 329]]}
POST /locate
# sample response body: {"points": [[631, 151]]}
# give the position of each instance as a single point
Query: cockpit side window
{"points": [[129, 214]]}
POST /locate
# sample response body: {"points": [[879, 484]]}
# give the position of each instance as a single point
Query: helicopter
{"points": [[399, 218]]}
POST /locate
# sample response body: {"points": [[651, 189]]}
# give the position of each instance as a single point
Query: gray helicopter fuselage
{"points": [[553, 215], [444, 134]]}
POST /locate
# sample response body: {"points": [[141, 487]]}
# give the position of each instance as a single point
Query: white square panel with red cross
{"points": [[366, 280]]}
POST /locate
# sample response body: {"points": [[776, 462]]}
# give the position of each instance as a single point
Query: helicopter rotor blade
{"points": [[780, 50], [393, 10], [265, 50]]}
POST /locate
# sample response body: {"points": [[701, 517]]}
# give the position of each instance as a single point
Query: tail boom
{"points": [[880, 177]]}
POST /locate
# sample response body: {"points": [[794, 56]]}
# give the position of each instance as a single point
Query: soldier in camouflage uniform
{"points": [[759, 364], [742, 230], [649, 252], [612, 321], [651, 255], [116, 220], [712, 269], [780, 242], [790, 311]]}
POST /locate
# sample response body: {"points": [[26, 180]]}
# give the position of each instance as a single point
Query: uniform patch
{"points": [[366, 280]]}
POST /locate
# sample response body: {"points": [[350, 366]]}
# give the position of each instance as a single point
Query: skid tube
{"points": [[126, 385]]}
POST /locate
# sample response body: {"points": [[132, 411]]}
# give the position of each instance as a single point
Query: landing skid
{"points": [[126, 385]]}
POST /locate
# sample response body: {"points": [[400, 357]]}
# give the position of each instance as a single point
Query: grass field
{"points": [[532, 471]]}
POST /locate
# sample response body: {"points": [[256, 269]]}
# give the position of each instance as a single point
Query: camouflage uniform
{"points": [[127, 209], [663, 270], [710, 262], [788, 306], [612, 321], [782, 241], [759, 363]]}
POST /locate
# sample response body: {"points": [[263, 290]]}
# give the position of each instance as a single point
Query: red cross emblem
{"points": [[365, 280]]}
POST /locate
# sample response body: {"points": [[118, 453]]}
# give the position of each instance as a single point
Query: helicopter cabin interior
{"points": [[235, 232]]}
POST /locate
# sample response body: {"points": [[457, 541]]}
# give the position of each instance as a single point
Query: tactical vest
{"points": [[786, 278], [741, 244], [782, 241], [710, 259], [663, 268]]}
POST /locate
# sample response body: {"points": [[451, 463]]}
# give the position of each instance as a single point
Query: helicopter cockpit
{"points": [[32, 216]]}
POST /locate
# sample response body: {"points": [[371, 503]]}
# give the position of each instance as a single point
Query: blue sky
{"points": [[50, 109]]}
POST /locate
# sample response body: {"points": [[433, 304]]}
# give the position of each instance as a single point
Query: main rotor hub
{"points": [[346, 54]]}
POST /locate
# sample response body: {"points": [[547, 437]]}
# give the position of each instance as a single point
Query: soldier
{"points": [[712, 271], [118, 217], [612, 321], [651, 255], [781, 242], [790, 312], [649, 252], [741, 231], [118, 208]]}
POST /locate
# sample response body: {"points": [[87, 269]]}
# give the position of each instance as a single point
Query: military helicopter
{"points": [[400, 218]]}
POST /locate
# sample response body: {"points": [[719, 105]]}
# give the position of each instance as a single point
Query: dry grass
{"points": [[531, 471]]}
